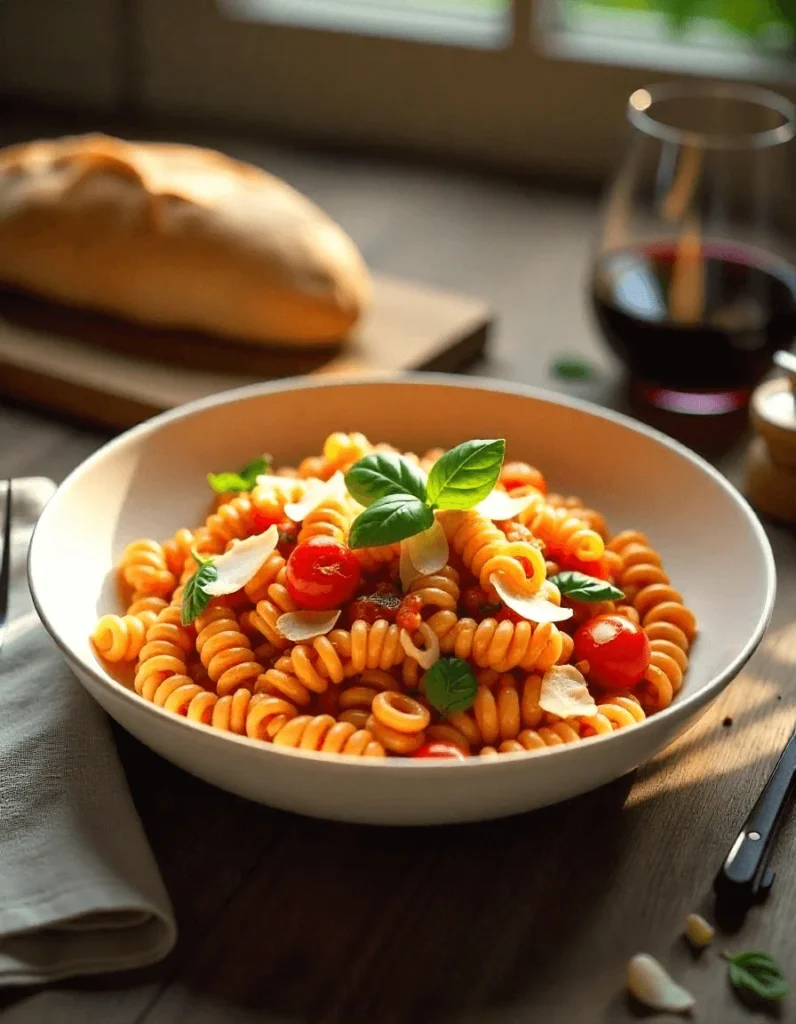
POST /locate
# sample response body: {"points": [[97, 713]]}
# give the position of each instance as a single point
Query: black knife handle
{"points": [[744, 877]]}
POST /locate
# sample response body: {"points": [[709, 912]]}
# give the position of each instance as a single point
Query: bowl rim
{"points": [[676, 710]]}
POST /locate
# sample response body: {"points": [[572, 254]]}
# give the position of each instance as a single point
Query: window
{"points": [[533, 85], [744, 39], [480, 23]]}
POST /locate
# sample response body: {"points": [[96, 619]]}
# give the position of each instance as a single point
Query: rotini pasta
{"points": [[400, 669], [143, 568]]}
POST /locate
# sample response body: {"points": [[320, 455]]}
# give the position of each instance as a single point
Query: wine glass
{"points": [[694, 277]]}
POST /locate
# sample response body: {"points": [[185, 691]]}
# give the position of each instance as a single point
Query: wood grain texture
{"points": [[530, 919]]}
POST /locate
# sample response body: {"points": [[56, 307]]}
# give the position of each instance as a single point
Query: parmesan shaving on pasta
{"points": [[428, 551], [428, 657], [406, 568], [304, 625], [279, 484], [564, 693], [500, 506], [242, 562], [315, 494], [531, 607]]}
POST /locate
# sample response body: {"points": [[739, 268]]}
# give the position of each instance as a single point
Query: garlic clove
{"points": [[698, 931], [652, 986]]}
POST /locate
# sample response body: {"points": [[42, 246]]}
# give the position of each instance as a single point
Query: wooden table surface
{"points": [[284, 919]]}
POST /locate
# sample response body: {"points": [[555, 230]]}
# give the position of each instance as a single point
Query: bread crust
{"points": [[176, 236]]}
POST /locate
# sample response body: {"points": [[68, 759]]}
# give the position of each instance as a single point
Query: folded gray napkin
{"points": [[80, 892]]}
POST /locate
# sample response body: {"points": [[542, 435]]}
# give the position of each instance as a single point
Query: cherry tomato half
{"points": [[321, 573], [617, 650], [439, 748]]}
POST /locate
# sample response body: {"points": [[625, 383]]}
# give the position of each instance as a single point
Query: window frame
{"points": [[528, 107]]}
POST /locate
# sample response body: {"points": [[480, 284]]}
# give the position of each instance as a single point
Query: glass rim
{"points": [[643, 100]]}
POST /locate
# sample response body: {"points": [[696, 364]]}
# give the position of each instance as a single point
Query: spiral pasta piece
{"points": [[502, 646], [331, 518], [439, 590], [639, 564], [263, 620], [271, 571], [225, 652], [369, 645], [485, 550], [341, 450], [165, 653], [564, 533], [230, 521], [617, 711], [577, 507], [243, 713], [143, 567], [146, 608], [326, 736], [178, 550], [373, 559], [119, 637]]}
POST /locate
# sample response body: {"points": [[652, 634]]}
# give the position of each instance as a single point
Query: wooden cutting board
{"points": [[117, 374]]}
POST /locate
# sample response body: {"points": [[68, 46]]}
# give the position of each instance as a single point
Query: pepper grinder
{"points": [[771, 460]]}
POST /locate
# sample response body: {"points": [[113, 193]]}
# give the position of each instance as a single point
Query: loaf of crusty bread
{"points": [[175, 236]]}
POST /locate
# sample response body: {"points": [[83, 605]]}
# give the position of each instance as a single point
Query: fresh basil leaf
{"points": [[390, 519], [758, 973], [451, 686], [581, 587], [378, 475], [243, 480], [194, 597], [466, 474], [572, 368]]}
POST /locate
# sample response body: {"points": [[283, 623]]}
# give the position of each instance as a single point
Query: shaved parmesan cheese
{"points": [[304, 625], [428, 657], [564, 693], [428, 550], [282, 484], [499, 505], [407, 569], [243, 560], [316, 492], [531, 607]]}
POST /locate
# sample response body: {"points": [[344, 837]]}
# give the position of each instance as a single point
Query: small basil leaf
{"points": [[581, 587], [466, 474], [243, 480], [390, 519], [451, 685], [194, 597], [758, 973], [378, 475]]}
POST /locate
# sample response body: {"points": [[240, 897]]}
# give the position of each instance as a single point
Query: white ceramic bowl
{"points": [[152, 479]]}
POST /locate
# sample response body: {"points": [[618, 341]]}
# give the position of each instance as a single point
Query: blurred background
{"points": [[466, 145]]}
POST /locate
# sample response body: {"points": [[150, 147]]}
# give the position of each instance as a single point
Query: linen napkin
{"points": [[80, 892]]}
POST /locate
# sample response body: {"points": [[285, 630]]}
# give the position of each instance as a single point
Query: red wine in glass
{"points": [[694, 276], [697, 327]]}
